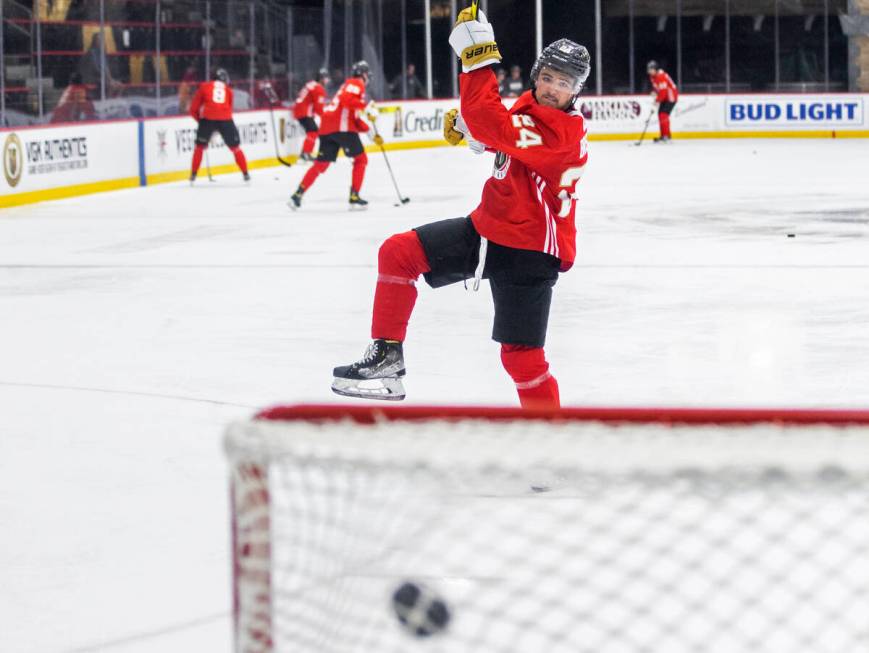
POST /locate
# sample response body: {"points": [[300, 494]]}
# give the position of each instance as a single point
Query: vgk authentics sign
{"points": [[54, 157], [49, 155]]}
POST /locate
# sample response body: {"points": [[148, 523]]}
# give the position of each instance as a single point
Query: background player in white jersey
{"points": [[521, 235]]}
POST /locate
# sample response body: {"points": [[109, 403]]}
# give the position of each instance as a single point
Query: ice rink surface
{"points": [[135, 324]]}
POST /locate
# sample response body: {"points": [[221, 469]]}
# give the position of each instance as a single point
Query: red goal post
{"points": [[607, 530]]}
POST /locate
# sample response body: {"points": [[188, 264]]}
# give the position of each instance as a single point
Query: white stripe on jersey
{"points": [[343, 125], [551, 227], [540, 199]]}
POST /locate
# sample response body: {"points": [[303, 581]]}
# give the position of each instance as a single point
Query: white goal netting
{"points": [[714, 533]]}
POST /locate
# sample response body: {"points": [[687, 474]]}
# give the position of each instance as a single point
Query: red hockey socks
{"points": [[359, 163], [400, 261], [239, 158], [664, 119], [528, 368], [308, 145], [314, 171], [197, 158]]}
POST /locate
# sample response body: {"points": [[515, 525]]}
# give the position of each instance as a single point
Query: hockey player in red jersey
{"points": [[309, 103], [520, 237], [666, 95], [212, 109], [339, 130]]}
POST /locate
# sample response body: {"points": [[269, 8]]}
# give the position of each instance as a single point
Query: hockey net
{"points": [[588, 530]]}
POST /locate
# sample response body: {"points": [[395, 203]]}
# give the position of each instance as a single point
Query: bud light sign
{"points": [[841, 111]]}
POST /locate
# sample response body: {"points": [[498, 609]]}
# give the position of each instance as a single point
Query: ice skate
{"points": [[246, 177], [662, 139], [356, 202], [192, 178], [376, 376], [295, 202], [306, 157]]}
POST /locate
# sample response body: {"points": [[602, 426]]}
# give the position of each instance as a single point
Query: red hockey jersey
{"points": [[213, 101], [530, 200], [310, 101], [342, 113], [665, 89]]}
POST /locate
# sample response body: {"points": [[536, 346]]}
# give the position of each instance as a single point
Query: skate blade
{"points": [[387, 389], [356, 207], [292, 206]]}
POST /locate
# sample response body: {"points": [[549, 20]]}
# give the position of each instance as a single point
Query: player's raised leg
{"points": [[378, 374]]}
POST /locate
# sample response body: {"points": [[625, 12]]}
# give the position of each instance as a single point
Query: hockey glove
{"points": [[473, 40], [371, 112], [452, 135], [455, 129]]}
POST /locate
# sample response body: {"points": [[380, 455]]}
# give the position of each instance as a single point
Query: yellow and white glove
{"points": [[452, 135], [473, 40], [455, 129]]}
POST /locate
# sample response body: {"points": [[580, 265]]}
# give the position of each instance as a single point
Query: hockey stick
{"points": [[402, 200], [645, 129], [273, 99]]}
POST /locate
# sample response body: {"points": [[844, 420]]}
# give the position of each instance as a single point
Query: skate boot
{"points": [[192, 178], [296, 199], [306, 157], [356, 202], [376, 376], [246, 177]]}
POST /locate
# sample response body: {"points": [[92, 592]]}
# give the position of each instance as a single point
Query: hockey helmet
{"points": [[361, 68], [221, 75], [564, 56], [323, 74], [652, 65]]}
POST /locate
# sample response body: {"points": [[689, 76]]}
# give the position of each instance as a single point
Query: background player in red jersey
{"points": [[520, 237], [339, 130], [665, 95], [212, 109], [309, 103]]}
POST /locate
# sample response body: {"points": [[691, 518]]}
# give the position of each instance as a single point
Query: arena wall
{"points": [[43, 163]]}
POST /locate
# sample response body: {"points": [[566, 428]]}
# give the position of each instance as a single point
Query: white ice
{"points": [[135, 324]]}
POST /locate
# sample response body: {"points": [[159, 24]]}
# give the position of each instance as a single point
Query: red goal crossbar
{"points": [[367, 414]]}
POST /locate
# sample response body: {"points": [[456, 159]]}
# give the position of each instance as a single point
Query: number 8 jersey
{"points": [[213, 101], [541, 153]]}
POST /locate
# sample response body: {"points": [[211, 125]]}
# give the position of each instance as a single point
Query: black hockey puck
{"points": [[419, 610], [792, 235]]}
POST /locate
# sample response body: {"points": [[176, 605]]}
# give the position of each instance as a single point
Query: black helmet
{"points": [[360, 68], [221, 75], [566, 57], [652, 65]]}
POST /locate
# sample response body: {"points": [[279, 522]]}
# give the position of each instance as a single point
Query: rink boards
{"points": [[43, 163]]}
